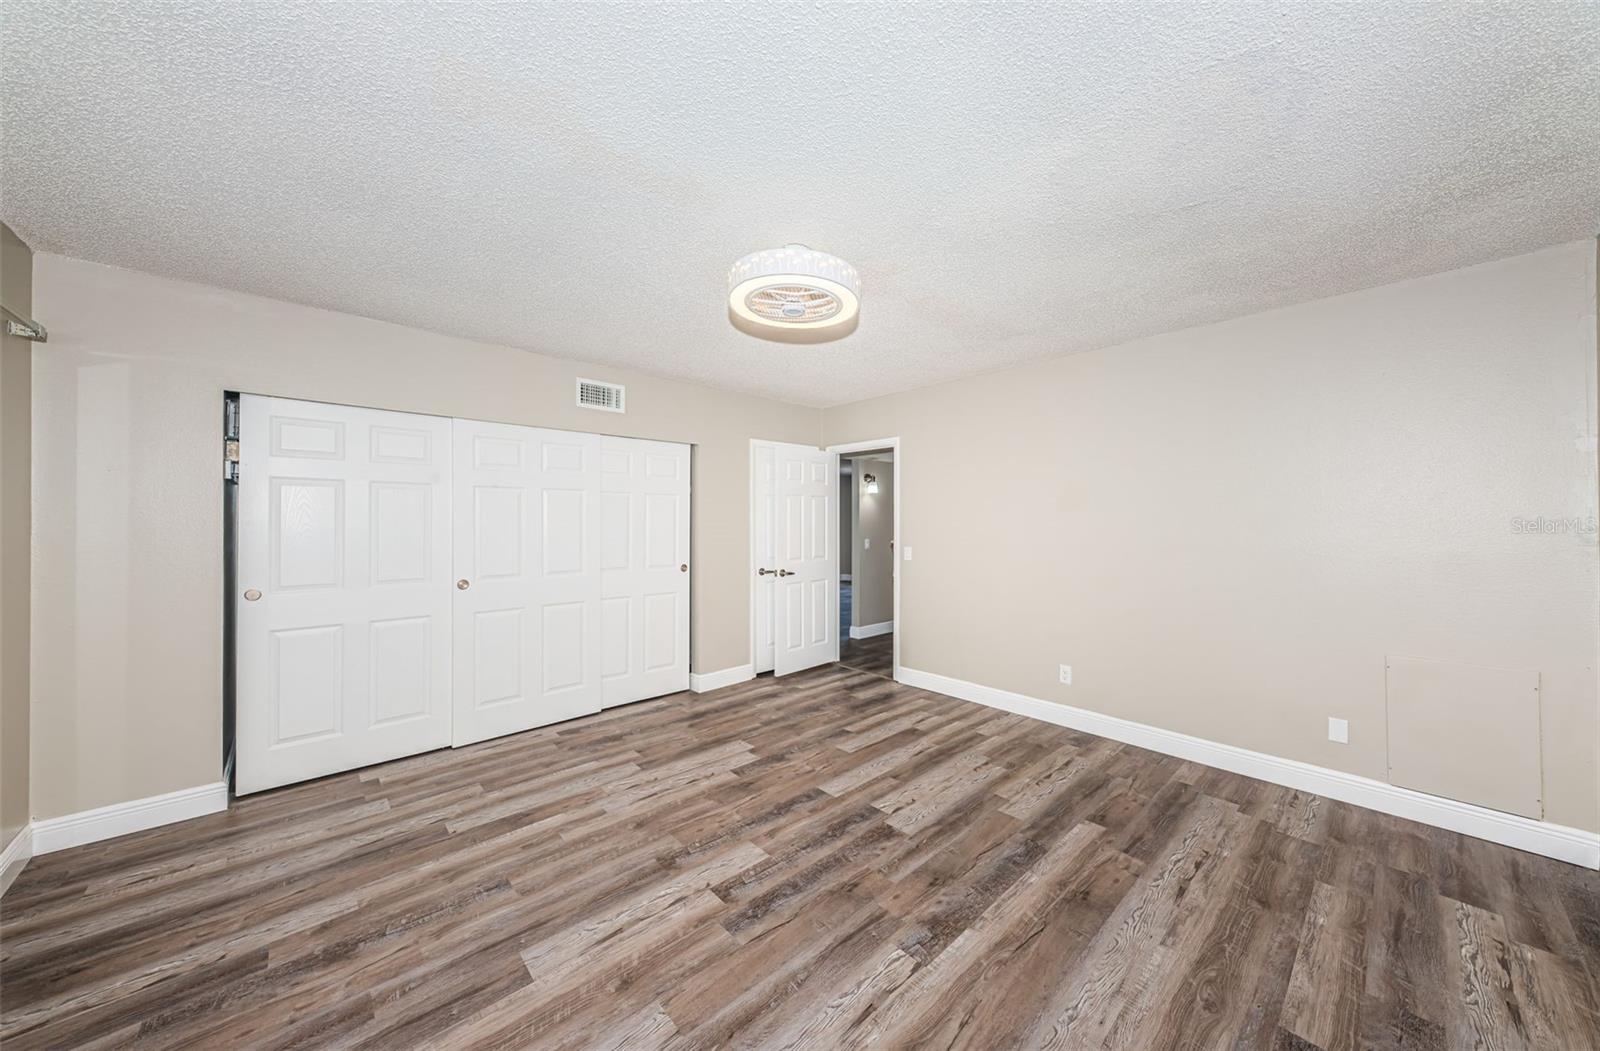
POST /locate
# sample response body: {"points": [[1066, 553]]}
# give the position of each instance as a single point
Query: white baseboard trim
{"points": [[119, 819], [867, 631], [716, 680], [1538, 837], [15, 856]]}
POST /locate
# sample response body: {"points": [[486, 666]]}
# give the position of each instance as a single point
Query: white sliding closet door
{"points": [[806, 550], [527, 601], [644, 569], [343, 628]]}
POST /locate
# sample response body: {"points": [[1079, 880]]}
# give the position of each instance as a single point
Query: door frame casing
{"points": [[844, 449], [750, 540]]}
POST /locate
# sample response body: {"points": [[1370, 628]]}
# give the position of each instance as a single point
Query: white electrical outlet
{"points": [[908, 554], [1338, 730], [1066, 675]]}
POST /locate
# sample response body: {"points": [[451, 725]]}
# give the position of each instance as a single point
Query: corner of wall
{"points": [[16, 553], [1593, 422]]}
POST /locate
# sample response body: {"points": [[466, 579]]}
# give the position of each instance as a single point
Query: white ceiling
{"points": [[1013, 181]]}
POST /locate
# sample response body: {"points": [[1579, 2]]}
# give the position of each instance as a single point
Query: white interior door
{"points": [[806, 546], [343, 628], [763, 556], [527, 597], [644, 569]]}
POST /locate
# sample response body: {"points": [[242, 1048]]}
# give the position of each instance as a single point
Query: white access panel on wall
{"points": [[806, 550], [344, 621], [644, 569], [528, 628], [1492, 716]]}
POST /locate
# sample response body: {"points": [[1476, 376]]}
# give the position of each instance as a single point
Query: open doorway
{"points": [[809, 602], [794, 557], [869, 593]]}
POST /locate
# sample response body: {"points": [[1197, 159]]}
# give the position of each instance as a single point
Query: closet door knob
{"points": [[252, 595], [462, 585], [786, 573], [764, 572]]}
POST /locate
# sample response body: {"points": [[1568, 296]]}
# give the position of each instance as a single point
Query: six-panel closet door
{"points": [[805, 541], [794, 555], [344, 620], [527, 600], [410, 582], [644, 569]]}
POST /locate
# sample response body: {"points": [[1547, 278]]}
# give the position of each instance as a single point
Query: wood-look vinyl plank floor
{"points": [[829, 860], [874, 655]]}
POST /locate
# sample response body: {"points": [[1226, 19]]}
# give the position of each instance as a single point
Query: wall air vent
{"points": [[592, 394]]}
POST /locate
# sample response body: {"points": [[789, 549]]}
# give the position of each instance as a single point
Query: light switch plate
{"points": [[908, 554], [866, 542], [1338, 730]]}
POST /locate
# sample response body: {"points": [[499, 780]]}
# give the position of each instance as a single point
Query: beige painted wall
{"points": [[128, 555], [1225, 530], [16, 357], [872, 582]]}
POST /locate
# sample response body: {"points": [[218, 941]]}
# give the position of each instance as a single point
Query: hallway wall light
{"points": [[872, 483]]}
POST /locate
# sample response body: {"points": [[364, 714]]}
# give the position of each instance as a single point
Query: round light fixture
{"points": [[794, 294]]}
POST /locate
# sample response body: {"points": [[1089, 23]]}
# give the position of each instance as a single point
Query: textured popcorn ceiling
{"points": [[1013, 181]]}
